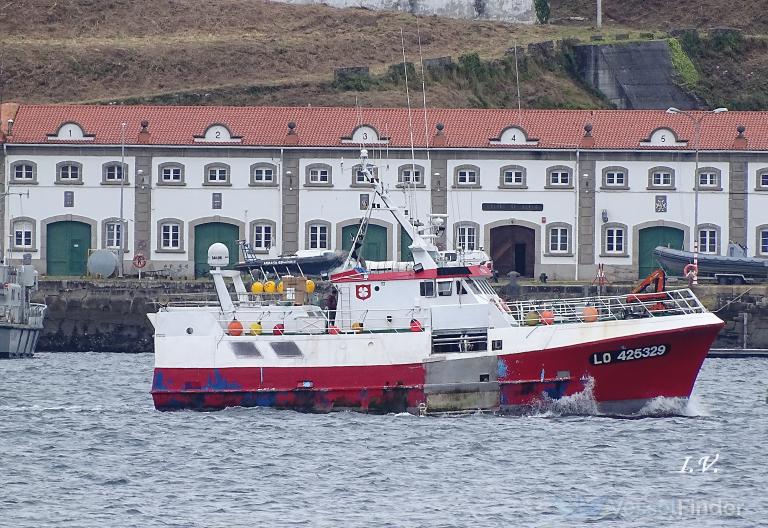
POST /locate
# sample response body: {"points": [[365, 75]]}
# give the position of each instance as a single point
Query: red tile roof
{"points": [[325, 127]]}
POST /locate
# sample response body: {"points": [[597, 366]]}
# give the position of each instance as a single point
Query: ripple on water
{"points": [[82, 446]]}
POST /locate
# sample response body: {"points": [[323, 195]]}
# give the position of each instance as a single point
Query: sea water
{"points": [[81, 445]]}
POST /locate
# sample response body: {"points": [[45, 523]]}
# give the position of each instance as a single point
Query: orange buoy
{"points": [[235, 328], [416, 326], [548, 317], [333, 330], [279, 329], [590, 314]]}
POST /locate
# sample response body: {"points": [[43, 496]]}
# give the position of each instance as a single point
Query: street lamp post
{"points": [[122, 185], [696, 143]]}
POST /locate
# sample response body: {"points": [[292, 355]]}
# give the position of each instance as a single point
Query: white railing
{"points": [[589, 309], [315, 320]]}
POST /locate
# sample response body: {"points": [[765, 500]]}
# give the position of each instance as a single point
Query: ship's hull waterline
{"points": [[618, 373]]}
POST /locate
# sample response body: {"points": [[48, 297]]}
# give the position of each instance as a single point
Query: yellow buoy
{"points": [[280, 287], [269, 287], [531, 318], [255, 328], [310, 286], [257, 288], [357, 327]]}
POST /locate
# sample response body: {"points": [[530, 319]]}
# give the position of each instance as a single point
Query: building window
{"points": [[318, 236], [763, 241], [319, 175], [512, 176], [558, 240], [217, 174], [359, 178], [170, 174], [113, 235], [708, 241], [467, 177], [466, 237], [615, 178], [263, 174], [113, 173], [24, 172], [69, 172], [170, 235], [262, 237], [412, 175], [709, 178], [661, 178], [559, 177], [614, 240], [761, 182], [22, 235]]}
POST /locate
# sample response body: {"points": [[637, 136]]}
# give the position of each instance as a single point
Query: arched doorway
{"points": [[209, 233], [513, 248], [375, 244], [649, 238], [67, 245]]}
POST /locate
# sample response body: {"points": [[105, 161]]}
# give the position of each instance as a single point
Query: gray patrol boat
{"points": [[20, 320]]}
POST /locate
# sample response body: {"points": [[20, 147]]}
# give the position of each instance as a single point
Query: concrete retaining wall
{"points": [[505, 10], [635, 75]]}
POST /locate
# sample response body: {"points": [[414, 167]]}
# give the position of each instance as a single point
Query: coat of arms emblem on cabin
{"points": [[363, 291]]}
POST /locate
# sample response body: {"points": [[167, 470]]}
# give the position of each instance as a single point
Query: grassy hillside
{"points": [[258, 52]]}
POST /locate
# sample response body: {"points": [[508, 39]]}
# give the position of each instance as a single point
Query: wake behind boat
{"points": [[433, 338]]}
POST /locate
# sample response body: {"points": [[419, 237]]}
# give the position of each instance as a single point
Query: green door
{"points": [[374, 246], [405, 241], [650, 237], [67, 245], [207, 234]]}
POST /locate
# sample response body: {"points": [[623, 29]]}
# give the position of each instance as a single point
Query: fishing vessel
{"points": [[431, 338], [20, 320]]}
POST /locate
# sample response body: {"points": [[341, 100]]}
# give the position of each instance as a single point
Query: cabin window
{"points": [[427, 288], [444, 288], [461, 290]]}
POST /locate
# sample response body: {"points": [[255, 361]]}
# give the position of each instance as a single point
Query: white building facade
{"points": [[555, 192]]}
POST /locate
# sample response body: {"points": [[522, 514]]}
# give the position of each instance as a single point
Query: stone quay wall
{"points": [[110, 315]]}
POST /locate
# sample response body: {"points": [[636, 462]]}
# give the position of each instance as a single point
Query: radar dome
{"points": [[218, 255], [102, 263]]}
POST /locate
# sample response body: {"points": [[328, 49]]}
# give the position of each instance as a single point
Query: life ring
{"points": [[690, 269]]}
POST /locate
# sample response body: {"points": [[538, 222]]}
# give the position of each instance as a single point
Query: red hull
{"points": [[522, 380]]}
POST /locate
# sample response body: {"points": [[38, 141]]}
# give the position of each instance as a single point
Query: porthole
{"points": [[189, 330]]}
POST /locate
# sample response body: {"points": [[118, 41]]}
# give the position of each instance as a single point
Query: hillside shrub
{"points": [[683, 64], [542, 11]]}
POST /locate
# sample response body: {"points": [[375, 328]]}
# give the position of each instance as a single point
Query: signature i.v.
{"points": [[706, 464]]}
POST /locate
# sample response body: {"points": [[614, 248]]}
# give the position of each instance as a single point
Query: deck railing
{"points": [[590, 309]]}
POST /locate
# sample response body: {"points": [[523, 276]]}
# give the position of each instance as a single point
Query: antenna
{"points": [[410, 116], [423, 90]]}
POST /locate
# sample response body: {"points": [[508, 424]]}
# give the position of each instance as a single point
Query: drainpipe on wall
{"points": [[577, 177]]}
